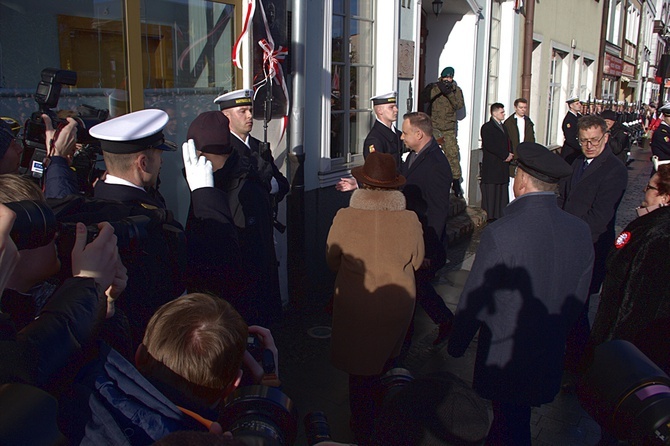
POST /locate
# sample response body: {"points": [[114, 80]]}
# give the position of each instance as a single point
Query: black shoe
{"points": [[456, 187], [445, 331]]}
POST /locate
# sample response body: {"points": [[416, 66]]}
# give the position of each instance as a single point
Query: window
{"points": [[351, 74], [586, 78], [554, 100], [186, 57], [614, 22], [494, 54]]}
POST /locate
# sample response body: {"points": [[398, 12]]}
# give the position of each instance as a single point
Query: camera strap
{"points": [[199, 418]]}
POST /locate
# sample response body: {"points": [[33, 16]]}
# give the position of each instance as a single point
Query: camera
{"points": [[34, 136], [36, 226], [317, 428], [260, 416], [627, 394]]}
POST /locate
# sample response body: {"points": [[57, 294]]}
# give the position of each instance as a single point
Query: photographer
{"points": [[59, 179], [191, 358], [70, 317], [10, 149]]}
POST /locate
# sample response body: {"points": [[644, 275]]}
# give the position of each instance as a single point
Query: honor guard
{"points": [[132, 146], [237, 106], [660, 140], [384, 137], [571, 149]]}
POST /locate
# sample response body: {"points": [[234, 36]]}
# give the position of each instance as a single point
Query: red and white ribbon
{"points": [[251, 8]]}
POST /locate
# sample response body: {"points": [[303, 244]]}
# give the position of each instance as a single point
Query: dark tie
{"points": [[580, 172], [412, 157]]}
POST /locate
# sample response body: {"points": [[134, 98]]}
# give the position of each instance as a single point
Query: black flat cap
{"points": [[608, 114], [211, 133], [539, 162]]}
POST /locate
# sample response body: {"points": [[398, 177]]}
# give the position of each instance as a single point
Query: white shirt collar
{"points": [[245, 141], [111, 179], [392, 126]]}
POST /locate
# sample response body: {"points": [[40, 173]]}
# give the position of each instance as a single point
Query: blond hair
{"points": [[199, 337]]}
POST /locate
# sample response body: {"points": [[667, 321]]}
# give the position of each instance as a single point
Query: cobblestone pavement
{"points": [[313, 384]]}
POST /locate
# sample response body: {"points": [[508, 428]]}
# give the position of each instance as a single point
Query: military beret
{"points": [[211, 133], [539, 162], [448, 71], [608, 114], [385, 98], [133, 132], [237, 98]]}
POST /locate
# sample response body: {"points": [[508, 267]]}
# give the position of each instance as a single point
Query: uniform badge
{"points": [[371, 148], [666, 139], [151, 207], [569, 125], [622, 240]]}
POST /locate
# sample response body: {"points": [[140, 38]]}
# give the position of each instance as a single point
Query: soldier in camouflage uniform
{"points": [[443, 98]]}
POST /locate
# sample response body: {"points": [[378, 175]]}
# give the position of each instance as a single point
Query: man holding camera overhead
{"points": [[444, 98]]}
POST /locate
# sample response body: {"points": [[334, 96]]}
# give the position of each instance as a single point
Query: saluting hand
{"points": [[198, 169]]}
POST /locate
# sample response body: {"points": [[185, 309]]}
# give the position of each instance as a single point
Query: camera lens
{"points": [[627, 394], [393, 382], [35, 224], [131, 232], [317, 428], [260, 415]]}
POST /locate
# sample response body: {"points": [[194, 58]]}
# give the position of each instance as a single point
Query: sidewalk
{"points": [[313, 384]]}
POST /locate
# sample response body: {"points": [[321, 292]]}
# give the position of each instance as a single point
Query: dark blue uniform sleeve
{"points": [[59, 180]]}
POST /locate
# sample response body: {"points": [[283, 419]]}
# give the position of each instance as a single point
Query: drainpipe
{"points": [[295, 201], [528, 48]]}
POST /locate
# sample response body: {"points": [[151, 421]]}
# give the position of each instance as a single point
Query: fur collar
{"points": [[377, 200]]}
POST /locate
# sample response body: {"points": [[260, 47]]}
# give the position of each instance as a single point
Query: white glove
{"points": [[198, 170], [274, 186]]}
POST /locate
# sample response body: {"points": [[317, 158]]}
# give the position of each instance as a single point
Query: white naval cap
{"points": [[385, 98], [665, 109], [133, 132], [572, 99], [237, 98]]}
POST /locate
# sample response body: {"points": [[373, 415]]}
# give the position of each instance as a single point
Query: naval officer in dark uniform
{"points": [[237, 106], [660, 140], [384, 136], [132, 145], [571, 149]]}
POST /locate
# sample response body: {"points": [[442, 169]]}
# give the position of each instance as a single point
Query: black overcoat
{"points": [[525, 291]]}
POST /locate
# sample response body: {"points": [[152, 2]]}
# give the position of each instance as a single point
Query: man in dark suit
{"points": [[526, 289], [259, 300], [428, 176], [497, 153], [593, 193], [571, 149], [383, 136]]}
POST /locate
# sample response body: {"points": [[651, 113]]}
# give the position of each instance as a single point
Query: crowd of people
{"points": [[540, 259], [113, 309], [88, 279]]}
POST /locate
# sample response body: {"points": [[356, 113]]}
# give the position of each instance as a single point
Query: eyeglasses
{"points": [[650, 187], [591, 142]]}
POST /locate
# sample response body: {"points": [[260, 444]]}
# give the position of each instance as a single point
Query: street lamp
{"points": [[437, 7]]}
